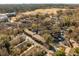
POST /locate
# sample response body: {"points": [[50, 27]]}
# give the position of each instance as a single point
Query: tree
{"points": [[7, 45], [59, 13]]}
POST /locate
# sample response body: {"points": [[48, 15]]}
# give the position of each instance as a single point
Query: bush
{"points": [[60, 53], [77, 50], [47, 37], [4, 37]]}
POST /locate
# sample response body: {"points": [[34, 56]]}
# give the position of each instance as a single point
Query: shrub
{"points": [[77, 50], [60, 53], [47, 37], [4, 37]]}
